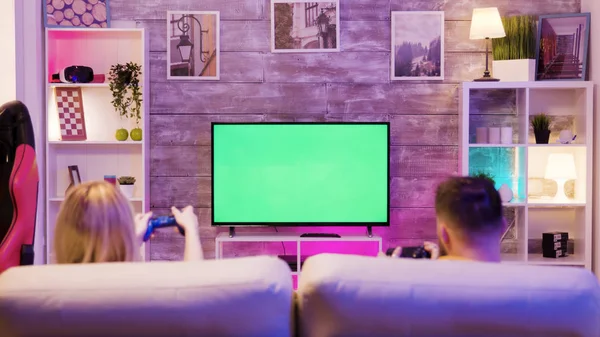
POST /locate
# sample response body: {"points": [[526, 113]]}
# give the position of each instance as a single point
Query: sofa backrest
{"points": [[365, 296], [237, 297]]}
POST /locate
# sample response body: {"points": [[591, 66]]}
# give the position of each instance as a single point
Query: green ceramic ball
{"points": [[122, 135], [136, 134]]}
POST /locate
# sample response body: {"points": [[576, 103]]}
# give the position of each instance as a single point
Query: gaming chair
{"points": [[19, 180]]}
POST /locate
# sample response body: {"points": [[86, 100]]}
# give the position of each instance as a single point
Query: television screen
{"points": [[300, 174]]}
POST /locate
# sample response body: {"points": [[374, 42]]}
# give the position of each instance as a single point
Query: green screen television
{"points": [[300, 174]]}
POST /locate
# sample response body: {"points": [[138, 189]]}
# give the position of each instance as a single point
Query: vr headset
{"points": [[74, 74]]}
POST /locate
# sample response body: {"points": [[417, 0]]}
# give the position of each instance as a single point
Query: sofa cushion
{"points": [[237, 297], [341, 295]]}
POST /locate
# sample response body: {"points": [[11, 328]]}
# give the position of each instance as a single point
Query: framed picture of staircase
{"points": [[562, 47], [193, 45]]}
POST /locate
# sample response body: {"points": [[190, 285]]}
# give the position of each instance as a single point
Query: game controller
{"points": [[161, 222], [418, 252]]}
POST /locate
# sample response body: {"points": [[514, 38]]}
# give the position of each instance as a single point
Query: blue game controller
{"points": [[161, 222]]}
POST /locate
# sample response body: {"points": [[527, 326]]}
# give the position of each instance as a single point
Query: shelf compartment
{"points": [[570, 220], [567, 109], [93, 165], [542, 191], [498, 108], [506, 164], [514, 242]]}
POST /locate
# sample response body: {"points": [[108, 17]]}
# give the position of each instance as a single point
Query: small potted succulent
{"points": [[124, 84], [541, 128], [126, 184]]}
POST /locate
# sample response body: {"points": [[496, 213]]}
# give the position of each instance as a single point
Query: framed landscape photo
{"points": [[305, 26], [417, 51], [193, 45], [562, 46]]}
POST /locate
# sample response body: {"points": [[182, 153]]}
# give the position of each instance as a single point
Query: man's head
{"points": [[469, 217]]}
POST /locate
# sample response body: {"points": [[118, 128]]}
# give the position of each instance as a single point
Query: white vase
{"points": [[481, 135], [494, 135], [514, 70], [127, 190], [506, 194], [506, 135]]}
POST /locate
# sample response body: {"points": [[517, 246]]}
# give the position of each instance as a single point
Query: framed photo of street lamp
{"points": [[417, 46], [562, 47], [300, 26], [193, 45]]}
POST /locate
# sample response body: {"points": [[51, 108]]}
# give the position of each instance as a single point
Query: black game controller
{"points": [[418, 252], [160, 222]]}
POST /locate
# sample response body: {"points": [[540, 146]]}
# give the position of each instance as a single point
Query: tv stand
{"points": [[370, 231], [300, 242], [320, 235], [231, 232]]}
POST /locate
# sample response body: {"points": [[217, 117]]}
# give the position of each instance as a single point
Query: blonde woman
{"points": [[95, 223]]}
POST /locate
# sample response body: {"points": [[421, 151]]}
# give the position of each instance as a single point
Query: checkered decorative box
{"points": [[69, 104]]}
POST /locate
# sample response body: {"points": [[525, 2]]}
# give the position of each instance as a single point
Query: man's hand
{"points": [[395, 253], [432, 249]]}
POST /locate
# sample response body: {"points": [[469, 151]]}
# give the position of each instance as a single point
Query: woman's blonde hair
{"points": [[95, 224]]}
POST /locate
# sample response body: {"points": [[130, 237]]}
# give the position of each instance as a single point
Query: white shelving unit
{"points": [[522, 165], [101, 154], [289, 237]]}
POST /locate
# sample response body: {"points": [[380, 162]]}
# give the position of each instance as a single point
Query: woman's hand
{"points": [[186, 219], [141, 225]]}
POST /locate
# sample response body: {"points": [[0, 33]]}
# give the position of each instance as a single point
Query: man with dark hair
{"points": [[470, 221]]}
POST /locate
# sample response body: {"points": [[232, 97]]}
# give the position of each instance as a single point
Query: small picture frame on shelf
{"points": [[74, 176], [562, 46]]}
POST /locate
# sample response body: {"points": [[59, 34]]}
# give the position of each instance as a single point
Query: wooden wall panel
{"points": [[352, 85]]}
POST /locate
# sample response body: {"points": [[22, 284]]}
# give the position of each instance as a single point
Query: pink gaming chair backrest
{"points": [[19, 182]]}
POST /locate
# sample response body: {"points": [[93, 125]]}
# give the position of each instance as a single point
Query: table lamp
{"points": [[486, 24], [560, 167]]}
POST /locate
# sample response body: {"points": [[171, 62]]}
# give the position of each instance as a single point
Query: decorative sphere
{"points": [[136, 134], [122, 135]]}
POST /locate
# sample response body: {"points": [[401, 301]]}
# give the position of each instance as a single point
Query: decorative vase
{"points": [[127, 190], [481, 135], [136, 134], [541, 136], [506, 194], [122, 134], [506, 135], [514, 70], [494, 135]]}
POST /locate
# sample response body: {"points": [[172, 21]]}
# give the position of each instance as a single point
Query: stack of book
{"points": [[554, 244]]}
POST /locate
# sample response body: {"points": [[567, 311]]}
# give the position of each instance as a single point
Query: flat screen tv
{"points": [[300, 174]]}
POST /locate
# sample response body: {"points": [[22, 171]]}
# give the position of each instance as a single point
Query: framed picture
{"points": [[417, 46], [71, 117], [76, 13], [74, 175], [193, 45], [305, 26], [562, 47]]}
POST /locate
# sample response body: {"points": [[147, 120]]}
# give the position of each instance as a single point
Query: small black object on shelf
{"points": [[320, 235], [555, 244]]}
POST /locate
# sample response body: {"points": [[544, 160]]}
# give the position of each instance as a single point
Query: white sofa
{"points": [[338, 295], [355, 296], [237, 297]]}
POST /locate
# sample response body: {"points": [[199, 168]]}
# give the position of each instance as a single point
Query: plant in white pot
{"points": [[126, 185], [514, 55]]}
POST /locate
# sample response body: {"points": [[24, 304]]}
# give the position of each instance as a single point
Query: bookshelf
{"points": [[523, 165], [100, 153]]}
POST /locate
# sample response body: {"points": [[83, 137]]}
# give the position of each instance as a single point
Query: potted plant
{"points": [[126, 184], [124, 84], [514, 55], [484, 175], [541, 128]]}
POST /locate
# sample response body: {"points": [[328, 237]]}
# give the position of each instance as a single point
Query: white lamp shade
{"points": [[560, 166], [486, 23]]}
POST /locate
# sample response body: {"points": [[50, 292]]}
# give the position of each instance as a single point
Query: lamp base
{"points": [[486, 79], [560, 196]]}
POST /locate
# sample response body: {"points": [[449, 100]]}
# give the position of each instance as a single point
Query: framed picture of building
{"points": [[417, 46], [193, 45], [562, 46], [305, 26]]}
